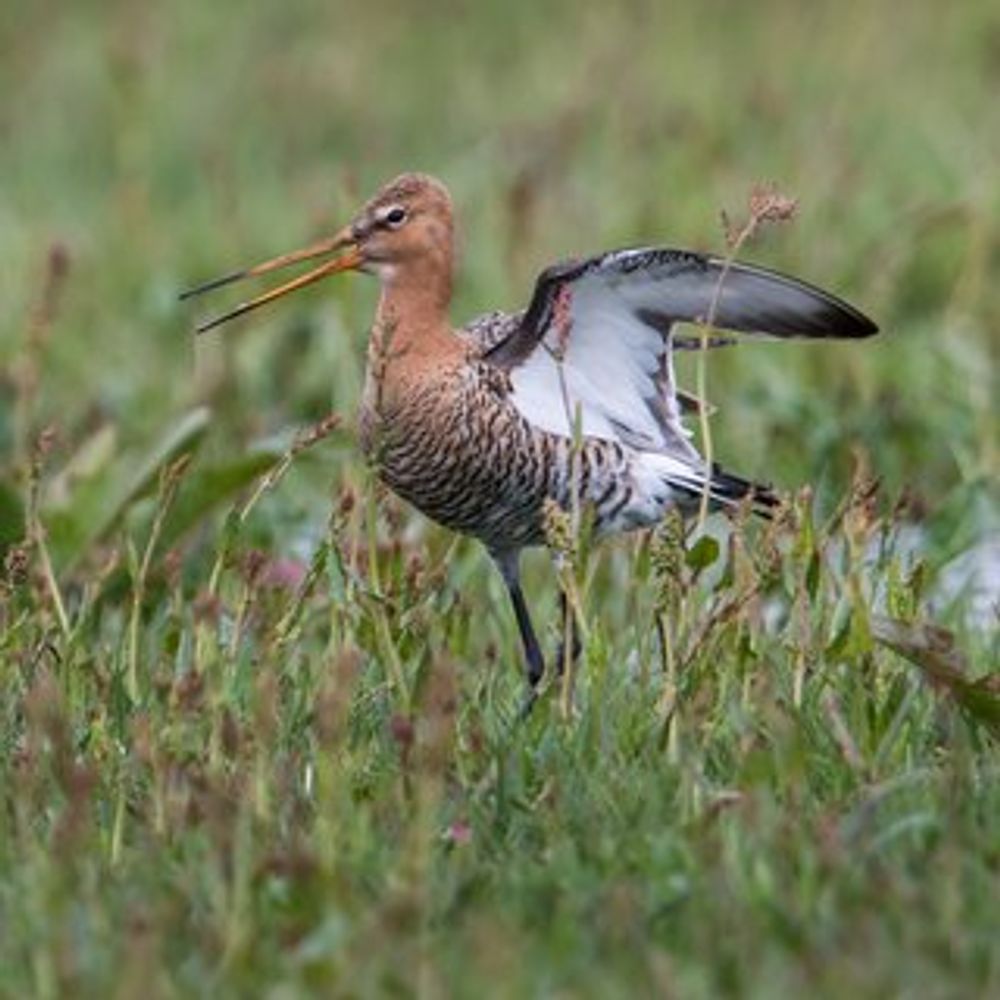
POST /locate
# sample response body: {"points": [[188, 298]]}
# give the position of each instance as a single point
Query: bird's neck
{"points": [[412, 348], [411, 320]]}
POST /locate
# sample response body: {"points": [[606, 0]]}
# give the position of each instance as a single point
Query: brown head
{"points": [[403, 235]]}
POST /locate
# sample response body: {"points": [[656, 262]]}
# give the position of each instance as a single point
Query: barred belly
{"points": [[468, 460]]}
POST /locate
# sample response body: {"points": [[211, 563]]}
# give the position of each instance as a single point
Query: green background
{"points": [[150, 147]]}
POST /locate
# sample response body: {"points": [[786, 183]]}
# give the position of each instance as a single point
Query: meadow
{"points": [[258, 719]]}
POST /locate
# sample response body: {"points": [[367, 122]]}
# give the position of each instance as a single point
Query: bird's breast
{"points": [[452, 444], [450, 441]]}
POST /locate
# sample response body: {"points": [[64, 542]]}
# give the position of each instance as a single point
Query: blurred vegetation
{"points": [[256, 724]]}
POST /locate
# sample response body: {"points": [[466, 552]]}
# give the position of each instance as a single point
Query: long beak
{"points": [[350, 260]]}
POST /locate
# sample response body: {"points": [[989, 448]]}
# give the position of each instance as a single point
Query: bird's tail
{"points": [[729, 489], [688, 484]]}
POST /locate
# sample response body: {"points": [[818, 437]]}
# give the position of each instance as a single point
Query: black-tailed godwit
{"points": [[572, 400]]}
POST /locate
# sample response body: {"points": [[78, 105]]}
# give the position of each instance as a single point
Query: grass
{"points": [[257, 718]]}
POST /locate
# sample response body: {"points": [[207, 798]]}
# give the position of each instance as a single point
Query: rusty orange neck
{"points": [[412, 329]]}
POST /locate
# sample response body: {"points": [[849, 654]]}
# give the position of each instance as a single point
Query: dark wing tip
{"points": [[837, 319], [768, 301], [865, 327]]}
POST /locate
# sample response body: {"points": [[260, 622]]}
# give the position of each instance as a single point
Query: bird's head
{"points": [[405, 224], [403, 234]]}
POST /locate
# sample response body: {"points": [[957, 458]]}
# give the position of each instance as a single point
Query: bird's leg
{"points": [[509, 565]]}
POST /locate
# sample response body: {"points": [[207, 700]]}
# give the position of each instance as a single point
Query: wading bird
{"points": [[572, 400]]}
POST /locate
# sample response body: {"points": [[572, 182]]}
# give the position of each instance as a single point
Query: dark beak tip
{"points": [[347, 262], [208, 286]]}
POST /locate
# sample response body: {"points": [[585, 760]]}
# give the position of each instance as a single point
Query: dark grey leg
{"points": [[509, 565], [532, 652]]}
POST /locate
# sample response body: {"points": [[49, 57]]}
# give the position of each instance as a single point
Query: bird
{"points": [[569, 401]]}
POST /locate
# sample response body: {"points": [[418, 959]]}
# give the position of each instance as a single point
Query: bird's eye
{"points": [[395, 217]]}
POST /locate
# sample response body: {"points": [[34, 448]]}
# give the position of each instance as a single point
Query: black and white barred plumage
{"points": [[482, 447]]}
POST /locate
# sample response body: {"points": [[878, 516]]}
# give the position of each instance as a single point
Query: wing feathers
{"points": [[596, 343], [659, 287], [756, 300]]}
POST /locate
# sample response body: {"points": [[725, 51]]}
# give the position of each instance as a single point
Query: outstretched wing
{"points": [[595, 344]]}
